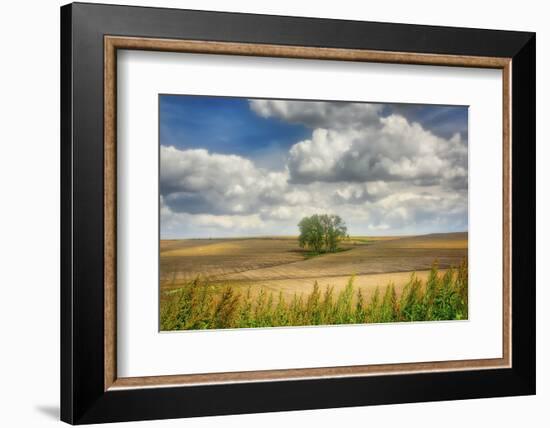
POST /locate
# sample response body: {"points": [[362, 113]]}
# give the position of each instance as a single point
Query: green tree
{"points": [[311, 233], [321, 232], [334, 230]]}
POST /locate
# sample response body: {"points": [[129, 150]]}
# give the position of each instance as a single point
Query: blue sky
{"points": [[225, 125], [441, 120], [228, 125], [238, 166]]}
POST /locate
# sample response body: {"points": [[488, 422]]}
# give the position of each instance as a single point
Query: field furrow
{"points": [[278, 264]]}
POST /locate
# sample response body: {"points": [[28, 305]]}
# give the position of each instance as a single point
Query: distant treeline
{"points": [[199, 305]]}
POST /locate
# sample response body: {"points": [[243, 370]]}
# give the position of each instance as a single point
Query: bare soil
{"points": [[279, 265]]}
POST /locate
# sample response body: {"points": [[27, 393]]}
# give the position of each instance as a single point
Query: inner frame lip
{"points": [[113, 43]]}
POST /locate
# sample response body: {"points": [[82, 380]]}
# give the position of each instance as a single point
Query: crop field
{"points": [[278, 267], [279, 264]]}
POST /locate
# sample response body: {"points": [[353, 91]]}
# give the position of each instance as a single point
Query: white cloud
{"points": [[207, 225], [319, 114], [394, 151], [199, 182], [383, 175], [229, 221], [198, 170]]}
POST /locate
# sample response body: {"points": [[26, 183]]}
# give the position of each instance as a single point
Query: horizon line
{"points": [[295, 236]]}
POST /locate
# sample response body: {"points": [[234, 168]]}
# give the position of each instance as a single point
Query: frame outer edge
{"points": [[82, 400], [66, 226], [524, 217], [306, 31]]}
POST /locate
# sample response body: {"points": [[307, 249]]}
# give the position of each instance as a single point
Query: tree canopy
{"points": [[321, 232]]}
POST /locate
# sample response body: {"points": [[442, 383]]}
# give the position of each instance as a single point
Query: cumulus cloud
{"points": [[319, 114], [198, 182], [394, 151], [183, 223], [430, 210], [358, 193], [382, 174]]}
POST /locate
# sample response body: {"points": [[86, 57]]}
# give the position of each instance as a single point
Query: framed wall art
{"points": [[266, 213]]}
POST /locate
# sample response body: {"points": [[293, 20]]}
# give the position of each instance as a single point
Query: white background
{"points": [[142, 351], [29, 226]]}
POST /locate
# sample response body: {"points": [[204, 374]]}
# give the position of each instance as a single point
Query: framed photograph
{"points": [[266, 213]]}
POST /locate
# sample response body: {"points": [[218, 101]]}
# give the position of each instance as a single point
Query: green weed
{"points": [[198, 305]]}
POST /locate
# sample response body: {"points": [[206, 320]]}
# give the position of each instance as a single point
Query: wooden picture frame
{"points": [[91, 390]]}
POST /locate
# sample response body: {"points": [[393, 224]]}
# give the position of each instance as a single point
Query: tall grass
{"points": [[200, 305]]}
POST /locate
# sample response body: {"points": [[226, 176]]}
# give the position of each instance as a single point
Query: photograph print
{"points": [[279, 212]]}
